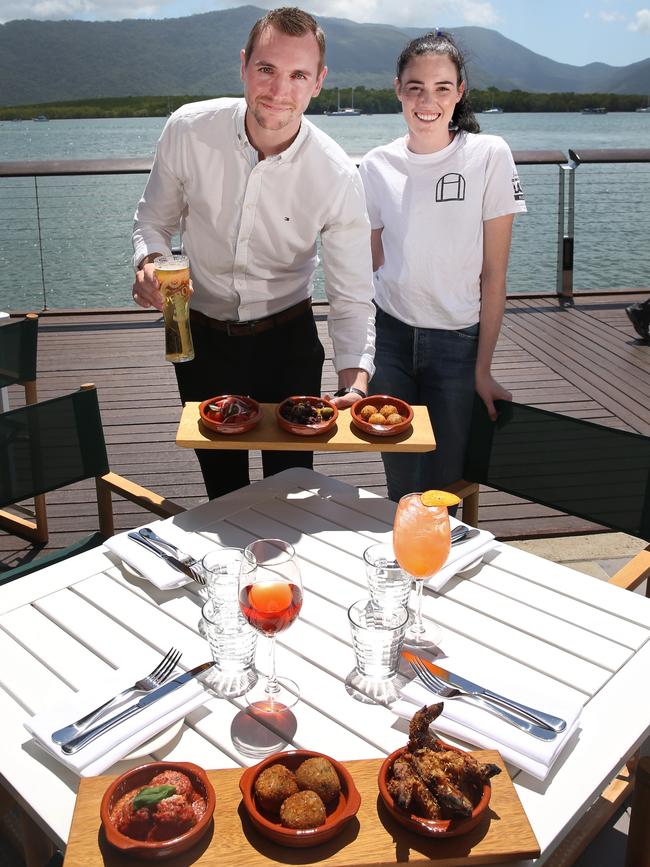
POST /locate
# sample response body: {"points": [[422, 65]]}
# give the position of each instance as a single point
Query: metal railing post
{"points": [[565, 233], [40, 242]]}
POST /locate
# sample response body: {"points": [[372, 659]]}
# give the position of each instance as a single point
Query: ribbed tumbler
{"points": [[377, 638]]}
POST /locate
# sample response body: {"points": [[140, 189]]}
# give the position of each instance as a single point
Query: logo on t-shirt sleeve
{"points": [[516, 188], [451, 188]]}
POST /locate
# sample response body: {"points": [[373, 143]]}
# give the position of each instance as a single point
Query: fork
{"points": [[151, 681], [439, 687]]}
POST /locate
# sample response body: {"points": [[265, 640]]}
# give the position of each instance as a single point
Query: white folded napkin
{"points": [[460, 556], [153, 568], [467, 721], [117, 742]]}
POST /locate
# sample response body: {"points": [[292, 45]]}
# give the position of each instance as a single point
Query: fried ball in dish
{"points": [[182, 782], [376, 418], [367, 411], [318, 775], [394, 418], [273, 786], [388, 409], [302, 810]]}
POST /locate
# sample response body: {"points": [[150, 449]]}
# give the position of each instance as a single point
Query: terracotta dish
{"points": [[382, 430], [306, 430], [430, 827], [268, 824], [140, 777], [231, 427]]}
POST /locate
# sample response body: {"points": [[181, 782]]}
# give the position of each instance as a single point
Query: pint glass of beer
{"points": [[173, 275]]}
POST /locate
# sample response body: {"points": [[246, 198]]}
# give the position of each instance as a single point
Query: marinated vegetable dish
{"points": [[299, 798], [305, 412], [166, 808], [432, 781], [229, 410]]}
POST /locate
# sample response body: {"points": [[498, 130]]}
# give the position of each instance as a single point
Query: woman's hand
{"points": [[489, 390]]}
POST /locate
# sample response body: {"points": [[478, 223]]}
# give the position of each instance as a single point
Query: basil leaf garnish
{"points": [[151, 795]]}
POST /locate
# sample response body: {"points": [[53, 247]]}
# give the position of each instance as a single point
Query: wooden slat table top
{"points": [[344, 436], [122, 352], [369, 840], [552, 630]]}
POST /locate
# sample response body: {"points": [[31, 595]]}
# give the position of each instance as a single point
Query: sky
{"points": [[616, 32]]}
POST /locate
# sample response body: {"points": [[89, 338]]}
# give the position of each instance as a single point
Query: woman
{"points": [[441, 202]]}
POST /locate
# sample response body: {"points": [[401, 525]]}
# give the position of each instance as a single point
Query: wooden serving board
{"points": [[372, 839], [268, 435]]}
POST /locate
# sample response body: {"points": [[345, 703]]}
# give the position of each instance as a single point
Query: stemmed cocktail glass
{"points": [[270, 597], [421, 540]]}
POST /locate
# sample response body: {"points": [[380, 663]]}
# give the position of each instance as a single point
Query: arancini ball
{"points": [[319, 775], [274, 785], [367, 411], [303, 810]]}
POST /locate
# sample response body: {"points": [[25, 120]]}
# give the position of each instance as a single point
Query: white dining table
{"points": [[77, 621]]}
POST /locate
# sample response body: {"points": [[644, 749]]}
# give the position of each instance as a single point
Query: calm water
{"points": [[85, 223]]}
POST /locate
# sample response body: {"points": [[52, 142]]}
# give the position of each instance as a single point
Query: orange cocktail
{"points": [[421, 540]]}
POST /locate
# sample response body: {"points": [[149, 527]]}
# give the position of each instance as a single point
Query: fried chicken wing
{"points": [[419, 734], [433, 781]]}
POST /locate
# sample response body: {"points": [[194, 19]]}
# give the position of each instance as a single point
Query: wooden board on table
{"points": [[372, 839], [268, 435]]}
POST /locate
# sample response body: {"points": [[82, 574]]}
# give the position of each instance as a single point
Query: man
{"points": [[251, 184]]}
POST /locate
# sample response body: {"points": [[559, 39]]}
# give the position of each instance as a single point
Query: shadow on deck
{"points": [[582, 361]]}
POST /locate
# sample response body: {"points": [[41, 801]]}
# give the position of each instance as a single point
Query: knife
{"points": [[76, 743], [174, 562], [546, 720]]}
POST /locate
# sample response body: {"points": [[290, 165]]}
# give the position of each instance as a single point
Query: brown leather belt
{"points": [[253, 326]]}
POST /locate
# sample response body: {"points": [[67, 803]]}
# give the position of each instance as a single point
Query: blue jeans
{"points": [[436, 368]]}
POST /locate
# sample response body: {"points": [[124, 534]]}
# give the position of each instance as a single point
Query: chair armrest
{"points": [[135, 493], [468, 492], [634, 573]]}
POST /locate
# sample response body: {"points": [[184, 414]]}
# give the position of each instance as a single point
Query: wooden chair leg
{"points": [[470, 509], [638, 838], [37, 846]]}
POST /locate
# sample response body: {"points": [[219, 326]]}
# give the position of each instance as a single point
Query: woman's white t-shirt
{"points": [[431, 208]]}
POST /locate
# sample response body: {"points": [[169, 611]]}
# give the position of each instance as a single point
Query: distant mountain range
{"points": [[48, 61]]}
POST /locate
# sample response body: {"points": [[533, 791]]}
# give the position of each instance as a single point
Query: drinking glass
{"points": [[421, 539], [377, 638], [173, 275], [231, 639], [270, 597], [389, 584]]}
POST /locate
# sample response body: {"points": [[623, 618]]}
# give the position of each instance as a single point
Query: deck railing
{"points": [[587, 217]]}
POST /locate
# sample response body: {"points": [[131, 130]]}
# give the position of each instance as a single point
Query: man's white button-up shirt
{"points": [[250, 227]]}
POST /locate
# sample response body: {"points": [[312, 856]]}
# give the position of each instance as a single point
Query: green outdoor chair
{"points": [[598, 473], [48, 445], [18, 351]]}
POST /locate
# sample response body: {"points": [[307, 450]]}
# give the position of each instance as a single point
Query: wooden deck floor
{"points": [[583, 362]]}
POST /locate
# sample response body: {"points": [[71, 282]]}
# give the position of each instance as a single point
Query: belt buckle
{"points": [[235, 329]]}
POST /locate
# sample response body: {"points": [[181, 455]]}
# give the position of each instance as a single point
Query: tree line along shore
{"points": [[367, 100]]}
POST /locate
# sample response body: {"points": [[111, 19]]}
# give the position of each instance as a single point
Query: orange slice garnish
{"points": [[439, 498]]}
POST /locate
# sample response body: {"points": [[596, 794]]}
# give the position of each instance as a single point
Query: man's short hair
{"points": [[293, 22]]}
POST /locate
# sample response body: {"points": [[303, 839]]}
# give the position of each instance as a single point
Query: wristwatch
{"points": [[347, 389]]}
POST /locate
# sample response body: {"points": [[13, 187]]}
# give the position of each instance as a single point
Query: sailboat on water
{"points": [[343, 112]]}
